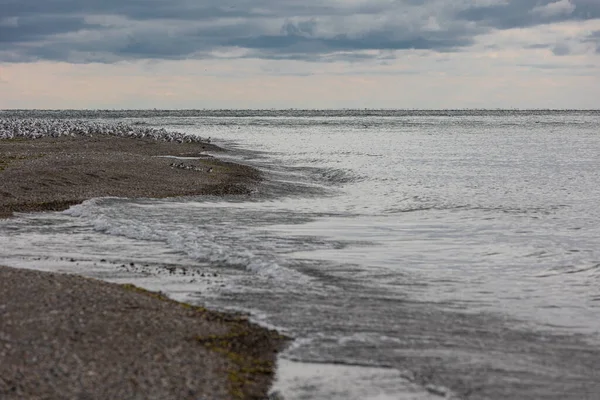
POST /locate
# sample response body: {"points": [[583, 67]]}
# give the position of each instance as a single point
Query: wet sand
{"points": [[54, 173], [64, 336]]}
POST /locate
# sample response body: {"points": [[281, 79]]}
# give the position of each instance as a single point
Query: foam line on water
{"points": [[299, 381], [218, 245]]}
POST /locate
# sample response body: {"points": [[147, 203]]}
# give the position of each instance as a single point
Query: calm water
{"points": [[410, 254]]}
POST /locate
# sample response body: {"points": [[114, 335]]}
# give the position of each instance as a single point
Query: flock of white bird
{"points": [[34, 128]]}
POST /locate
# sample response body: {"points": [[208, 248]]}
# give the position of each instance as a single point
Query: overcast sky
{"points": [[299, 54]]}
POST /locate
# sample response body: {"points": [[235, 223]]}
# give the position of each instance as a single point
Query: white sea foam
{"points": [[214, 244], [299, 381]]}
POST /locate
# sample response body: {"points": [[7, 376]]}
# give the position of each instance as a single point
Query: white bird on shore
{"points": [[35, 128]]}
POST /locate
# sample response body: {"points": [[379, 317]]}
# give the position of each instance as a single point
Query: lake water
{"points": [[412, 254]]}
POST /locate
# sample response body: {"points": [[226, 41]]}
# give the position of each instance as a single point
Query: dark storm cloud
{"points": [[111, 30], [162, 9], [27, 29], [525, 13], [372, 40]]}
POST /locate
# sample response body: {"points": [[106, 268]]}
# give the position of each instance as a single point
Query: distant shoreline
{"points": [[179, 115], [83, 333]]}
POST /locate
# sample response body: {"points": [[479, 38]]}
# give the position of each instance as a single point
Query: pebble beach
{"points": [[64, 336]]}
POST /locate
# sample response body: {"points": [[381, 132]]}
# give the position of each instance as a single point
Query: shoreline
{"points": [[51, 174]]}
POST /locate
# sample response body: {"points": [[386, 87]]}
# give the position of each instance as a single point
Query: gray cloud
{"points": [[27, 29], [594, 38], [587, 44], [111, 30], [374, 40], [525, 13], [562, 49]]}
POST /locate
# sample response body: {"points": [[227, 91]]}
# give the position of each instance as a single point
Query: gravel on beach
{"points": [[53, 173], [69, 337]]}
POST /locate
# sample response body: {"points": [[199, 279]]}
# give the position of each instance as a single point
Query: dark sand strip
{"points": [[64, 337], [67, 337], [55, 173]]}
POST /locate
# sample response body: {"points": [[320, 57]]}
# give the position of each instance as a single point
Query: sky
{"points": [[195, 54]]}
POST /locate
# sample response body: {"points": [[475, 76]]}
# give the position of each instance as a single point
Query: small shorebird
{"points": [[33, 128]]}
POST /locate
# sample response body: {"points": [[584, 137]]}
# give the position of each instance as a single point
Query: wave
{"points": [[209, 243], [328, 176], [417, 203], [569, 270]]}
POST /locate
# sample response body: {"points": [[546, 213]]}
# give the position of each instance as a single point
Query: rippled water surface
{"points": [[423, 253]]}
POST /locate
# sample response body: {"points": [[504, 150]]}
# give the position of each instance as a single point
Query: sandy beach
{"points": [[54, 173], [64, 336]]}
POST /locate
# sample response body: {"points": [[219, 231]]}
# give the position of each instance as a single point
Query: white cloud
{"points": [[562, 7]]}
